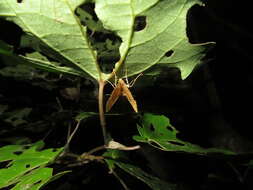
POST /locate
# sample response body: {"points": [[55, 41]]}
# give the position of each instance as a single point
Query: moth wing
{"points": [[126, 92], [116, 93]]}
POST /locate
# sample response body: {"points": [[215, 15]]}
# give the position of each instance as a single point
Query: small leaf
{"points": [[157, 131]]}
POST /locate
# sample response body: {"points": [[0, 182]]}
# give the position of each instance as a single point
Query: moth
{"points": [[122, 89]]}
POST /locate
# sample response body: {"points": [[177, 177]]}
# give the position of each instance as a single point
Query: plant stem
{"points": [[101, 110], [93, 151], [120, 180], [71, 136]]}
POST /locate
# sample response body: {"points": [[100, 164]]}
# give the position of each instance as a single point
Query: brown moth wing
{"points": [[126, 92], [116, 93]]}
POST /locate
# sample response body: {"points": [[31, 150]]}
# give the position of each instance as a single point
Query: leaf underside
{"points": [[60, 35], [164, 31]]}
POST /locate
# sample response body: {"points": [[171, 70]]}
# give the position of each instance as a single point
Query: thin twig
{"points": [[59, 104], [69, 131], [120, 180], [71, 136], [240, 177], [93, 150]]}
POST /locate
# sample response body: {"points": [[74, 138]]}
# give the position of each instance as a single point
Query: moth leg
{"points": [[113, 85], [115, 80], [127, 79], [134, 80]]}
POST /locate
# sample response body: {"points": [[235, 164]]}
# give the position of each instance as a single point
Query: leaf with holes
{"points": [[152, 32], [37, 179], [157, 131], [26, 160], [152, 181], [57, 30]]}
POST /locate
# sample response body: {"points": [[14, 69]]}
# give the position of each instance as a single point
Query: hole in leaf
{"points": [[5, 164], [27, 165], [26, 147], [152, 128], [176, 143], [19, 1], [37, 182], [169, 53], [9, 187], [109, 42], [169, 128], [17, 152], [140, 23]]}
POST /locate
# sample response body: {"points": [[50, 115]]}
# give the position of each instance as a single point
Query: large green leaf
{"points": [[27, 165], [157, 131], [60, 35], [162, 41], [57, 29]]}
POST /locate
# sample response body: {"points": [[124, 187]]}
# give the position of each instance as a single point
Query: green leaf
{"points": [[152, 181], [24, 162], [37, 178], [163, 39], [157, 131], [58, 30]]}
